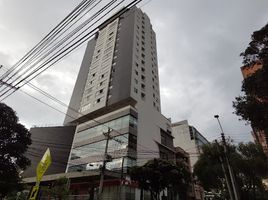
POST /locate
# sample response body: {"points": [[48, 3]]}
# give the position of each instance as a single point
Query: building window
{"points": [[142, 55], [135, 90], [163, 155], [142, 77], [136, 81], [142, 86], [143, 69], [137, 65], [143, 62], [143, 96], [191, 133], [142, 48], [136, 72]]}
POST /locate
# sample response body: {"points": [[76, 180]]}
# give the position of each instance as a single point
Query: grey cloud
{"points": [[198, 42]]}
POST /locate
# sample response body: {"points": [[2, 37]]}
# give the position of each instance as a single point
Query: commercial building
{"points": [[117, 88], [188, 138], [116, 104]]}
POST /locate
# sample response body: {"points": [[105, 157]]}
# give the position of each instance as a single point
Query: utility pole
{"points": [[236, 194], [107, 135], [121, 177], [224, 172]]}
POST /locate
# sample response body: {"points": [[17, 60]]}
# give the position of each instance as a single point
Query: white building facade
{"points": [[189, 139]]}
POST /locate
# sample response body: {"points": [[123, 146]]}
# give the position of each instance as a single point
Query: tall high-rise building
{"points": [[118, 88]]}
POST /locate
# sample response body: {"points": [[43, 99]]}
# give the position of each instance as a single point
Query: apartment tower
{"points": [[118, 87]]}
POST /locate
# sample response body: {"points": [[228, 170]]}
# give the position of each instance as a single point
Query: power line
{"points": [[132, 4], [48, 37], [65, 50]]}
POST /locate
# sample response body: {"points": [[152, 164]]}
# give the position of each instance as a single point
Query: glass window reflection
{"points": [[117, 124], [97, 148]]}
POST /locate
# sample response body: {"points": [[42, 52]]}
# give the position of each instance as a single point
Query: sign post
{"points": [[40, 171]]}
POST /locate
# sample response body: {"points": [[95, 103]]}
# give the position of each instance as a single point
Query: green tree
{"points": [[253, 105], [249, 164], [252, 165], [157, 175], [17, 195], [14, 141], [60, 189], [139, 174], [208, 168]]}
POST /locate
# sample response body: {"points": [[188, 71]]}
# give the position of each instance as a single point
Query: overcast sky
{"points": [[198, 43]]}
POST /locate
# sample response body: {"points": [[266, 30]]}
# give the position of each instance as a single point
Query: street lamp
{"points": [[235, 192], [217, 117]]}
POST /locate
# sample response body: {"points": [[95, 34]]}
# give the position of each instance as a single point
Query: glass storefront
{"points": [[115, 164], [121, 142]]}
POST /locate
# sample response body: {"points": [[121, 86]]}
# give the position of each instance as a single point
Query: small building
{"points": [[59, 141], [189, 139]]}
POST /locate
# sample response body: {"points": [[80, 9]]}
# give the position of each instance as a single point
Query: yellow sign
{"points": [[43, 165], [34, 192]]}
